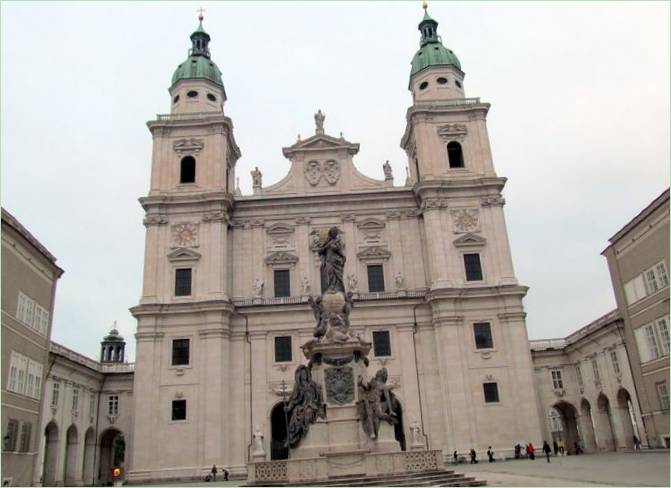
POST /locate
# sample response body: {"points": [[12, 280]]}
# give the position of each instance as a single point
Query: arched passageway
{"points": [[89, 457], [70, 464], [112, 454], [604, 424], [587, 427], [626, 419], [278, 432], [50, 454], [569, 421]]}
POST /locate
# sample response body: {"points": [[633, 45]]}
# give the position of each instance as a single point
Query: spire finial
{"points": [[425, 5], [200, 14]]}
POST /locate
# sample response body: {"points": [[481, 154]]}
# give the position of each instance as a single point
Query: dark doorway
{"points": [[278, 425], [399, 432]]}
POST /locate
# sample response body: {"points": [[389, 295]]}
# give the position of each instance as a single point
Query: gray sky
{"points": [[579, 124]]}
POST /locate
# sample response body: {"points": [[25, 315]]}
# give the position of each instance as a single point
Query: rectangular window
{"points": [[282, 283], [183, 282], [113, 405], [473, 267], [283, 349], [180, 352], [557, 382], [651, 281], [375, 278], [635, 289], [483, 335], [663, 392], [179, 410], [55, 392], [662, 276], [381, 343], [25, 436], [595, 370], [616, 362], [578, 375], [651, 340], [491, 392], [75, 400], [9, 441], [663, 329]]}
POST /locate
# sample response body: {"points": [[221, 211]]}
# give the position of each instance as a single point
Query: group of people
{"points": [[212, 475]]}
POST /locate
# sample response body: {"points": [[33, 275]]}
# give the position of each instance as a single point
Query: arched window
{"points": [[455, 155], [187, 173]]}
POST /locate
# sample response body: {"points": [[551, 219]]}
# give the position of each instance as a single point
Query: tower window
{"points": [[176, 99], [456, 82], [192, 94], [441, 81], [179, 410], [455, 155], [180, 352], [187, 170], [183, 282], [282, 349], [381, 343], [491, 392], [473, 267], [375, 278], [483, 335], [211, 97], [282, 283], [423, 85]]}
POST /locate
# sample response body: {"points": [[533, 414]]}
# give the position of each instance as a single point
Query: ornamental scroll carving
{"points": [[188, 146], [184, 235], [339, 385], [493, 201], [452, 131], [330, 171], [465, 220], [155, 220]]}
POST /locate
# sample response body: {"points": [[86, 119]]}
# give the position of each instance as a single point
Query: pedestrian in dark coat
{"points": [[473, 456], [555, 446], [490, 454], [547, 450], [214, 472]]}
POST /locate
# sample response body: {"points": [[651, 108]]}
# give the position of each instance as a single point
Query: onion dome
{"points": [[431, 50], [198, 65]]}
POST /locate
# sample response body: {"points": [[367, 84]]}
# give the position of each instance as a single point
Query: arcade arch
{"points": [[50, 454], [604, 424], [70, 464]]}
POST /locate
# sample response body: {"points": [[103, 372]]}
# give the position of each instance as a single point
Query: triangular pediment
{"points": [[371, 224], [184, 254], [374, 253], [281, 257], [280, 229], [320, 142], [470, 240]]}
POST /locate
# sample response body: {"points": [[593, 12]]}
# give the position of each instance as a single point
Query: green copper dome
{"points": [[431, 51], [198, 65]]}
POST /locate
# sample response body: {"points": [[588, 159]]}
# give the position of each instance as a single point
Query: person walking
{"points": [[473, 456], [455, 457], [555, 446], [531, 451], [547, 450], [637, 443], [562, 451], [214, 472], [518, 451], [490, 454]]}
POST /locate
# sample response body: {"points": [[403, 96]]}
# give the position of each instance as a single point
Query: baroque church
{"points": [[224, 311]]}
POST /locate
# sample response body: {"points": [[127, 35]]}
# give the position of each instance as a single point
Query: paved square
{"points": [[619, 469]]}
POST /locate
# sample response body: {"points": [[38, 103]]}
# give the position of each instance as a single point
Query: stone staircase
{"points": [[438, 477]]}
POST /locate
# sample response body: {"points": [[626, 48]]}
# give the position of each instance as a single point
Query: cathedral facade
{"points": [[224, 308]]}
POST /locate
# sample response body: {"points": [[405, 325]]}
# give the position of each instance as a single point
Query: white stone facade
{"points": [[234, 246]]}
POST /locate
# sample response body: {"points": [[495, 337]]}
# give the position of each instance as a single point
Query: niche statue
{"points": [[304, 406], [377, 403], [332, 254]]}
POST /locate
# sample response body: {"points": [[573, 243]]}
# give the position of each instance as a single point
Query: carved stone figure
{"points": [[305, 284], [415, 433], [257, 438], [258, 288], [377, 403], [332, 172], [319, 122], [332, 254], [321, 315], [352, 283], [399, 279], [339, 382], [386, 167], [313, 172], [304, 406], [256, 177]]}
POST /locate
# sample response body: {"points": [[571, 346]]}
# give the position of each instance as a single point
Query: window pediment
{"points": [[183, 255], [470, 240], [280, 229], [188, 146], [281, 257], [373, 253], [371, 224]]}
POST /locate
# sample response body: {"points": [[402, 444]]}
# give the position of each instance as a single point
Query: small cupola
{"points": [[112, 347]]}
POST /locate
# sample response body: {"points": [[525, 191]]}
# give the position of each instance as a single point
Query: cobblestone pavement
{"points": [[619, 469], [612, 469]]}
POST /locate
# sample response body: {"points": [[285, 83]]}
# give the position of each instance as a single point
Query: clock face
{"points": [[185, 235], [467, 221]]}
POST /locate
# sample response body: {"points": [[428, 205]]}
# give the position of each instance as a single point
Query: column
{"points": [[411, 408], [437, 260], [259, 384]]}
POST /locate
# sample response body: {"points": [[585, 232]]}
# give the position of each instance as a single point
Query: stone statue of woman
{"points": [[332, 254], [304, 406]]}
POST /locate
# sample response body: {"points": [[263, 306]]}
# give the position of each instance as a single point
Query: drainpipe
{"points": [[419, 390]]}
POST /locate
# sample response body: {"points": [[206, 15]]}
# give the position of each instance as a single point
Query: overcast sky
{"points": [[579, 124]]}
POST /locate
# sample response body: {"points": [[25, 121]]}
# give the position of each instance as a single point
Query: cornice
{"points": [[477, 292], [197, 306], [445, 187], [226, 199]]}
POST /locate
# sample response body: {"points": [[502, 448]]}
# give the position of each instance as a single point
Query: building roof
{"points": [[60, 350], [561, 343], [13, 222], [198, 65], [431, 51], [654, 205]]}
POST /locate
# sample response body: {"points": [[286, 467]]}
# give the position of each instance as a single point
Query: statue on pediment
{"points": [[319, 122], [305, 405], [256, 177], [386, 167]]}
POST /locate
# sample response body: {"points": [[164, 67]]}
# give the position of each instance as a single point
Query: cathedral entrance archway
{"points": [[604, 424], [278, 433], [89, 451], [112, 454], [569, 421], [50, 454], [626, 418], [587, 422], [70, 464]]}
